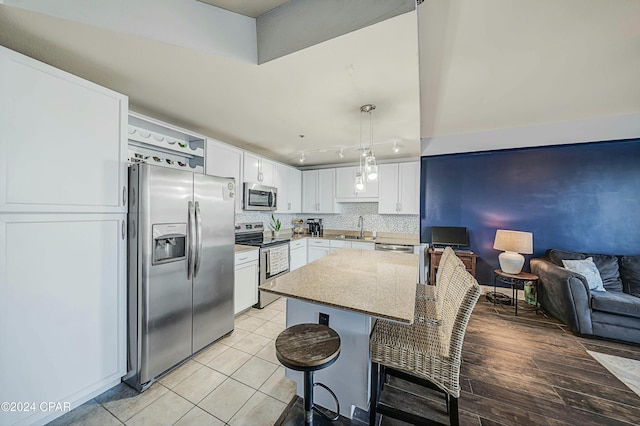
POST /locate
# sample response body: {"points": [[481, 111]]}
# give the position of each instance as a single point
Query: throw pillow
{"points": [[587, 269]]}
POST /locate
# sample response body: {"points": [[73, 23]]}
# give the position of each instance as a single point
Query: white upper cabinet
{"points": [[346, 187], [295, 190], [318, 191], [289, 184], [399, 188], [259, 170], [63, 141], [225, 161]]}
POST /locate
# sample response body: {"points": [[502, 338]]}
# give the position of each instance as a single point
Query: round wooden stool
{"points": [[307, 348]]}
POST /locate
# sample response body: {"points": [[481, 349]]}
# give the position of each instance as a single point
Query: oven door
{"points": [[274, 261], [259, 197]]}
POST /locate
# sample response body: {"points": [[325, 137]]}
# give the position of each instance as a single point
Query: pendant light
{"points": [[360, 173], [371, 165]]}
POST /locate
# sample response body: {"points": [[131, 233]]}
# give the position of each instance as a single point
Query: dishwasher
{"points": [[409, 249], [397, 248]]}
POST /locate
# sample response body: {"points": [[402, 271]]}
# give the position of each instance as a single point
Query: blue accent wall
{"points": [[580, 197]]}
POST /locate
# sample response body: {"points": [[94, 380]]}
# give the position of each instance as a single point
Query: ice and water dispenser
{"points": [[169, 242]]}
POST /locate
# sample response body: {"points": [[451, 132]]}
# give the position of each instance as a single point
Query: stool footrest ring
{"points": [[335, 398]]}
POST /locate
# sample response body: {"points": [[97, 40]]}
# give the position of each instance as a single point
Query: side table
{"points": [[517, 282]]}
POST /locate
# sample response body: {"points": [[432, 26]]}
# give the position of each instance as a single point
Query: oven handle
{"points": [[267, 255]]}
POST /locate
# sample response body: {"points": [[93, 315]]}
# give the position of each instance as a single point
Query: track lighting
{"points": [[396, 148], [341, 153], [302, 158]]}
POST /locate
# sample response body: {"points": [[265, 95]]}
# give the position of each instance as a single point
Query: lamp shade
{"points": [[514, 241]]}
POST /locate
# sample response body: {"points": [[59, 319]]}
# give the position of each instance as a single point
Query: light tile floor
{"points": [[236, 381]]}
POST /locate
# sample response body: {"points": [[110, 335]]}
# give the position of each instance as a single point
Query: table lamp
{"points": [[513, 243]]}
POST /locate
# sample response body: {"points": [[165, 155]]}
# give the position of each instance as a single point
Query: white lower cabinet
{"points": [[340, 244], [63, 309], [298, 254], [336, 245], [363, 245], [246, 280], [317, 248]]}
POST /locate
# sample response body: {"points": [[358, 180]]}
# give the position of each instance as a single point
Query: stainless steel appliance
{"points": [[260, 197], [181, 267], [274, 256], [315, 227]]}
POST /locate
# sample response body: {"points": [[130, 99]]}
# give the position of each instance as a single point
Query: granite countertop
{"points": [[376, 283], [240, 248]]}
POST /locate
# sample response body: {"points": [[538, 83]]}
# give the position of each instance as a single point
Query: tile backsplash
{"points": [[346, 219]]}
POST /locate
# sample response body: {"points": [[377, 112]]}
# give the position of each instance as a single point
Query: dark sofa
{"points": [[613, 314]]}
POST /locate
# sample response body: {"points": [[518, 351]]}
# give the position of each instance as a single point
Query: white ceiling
{"points": [[252, 8], [484, 64]]}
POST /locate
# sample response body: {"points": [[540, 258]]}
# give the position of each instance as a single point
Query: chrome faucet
{"points": [[361, 225]]}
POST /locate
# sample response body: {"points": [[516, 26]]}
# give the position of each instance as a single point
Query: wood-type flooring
{"points": [[525, 370]]}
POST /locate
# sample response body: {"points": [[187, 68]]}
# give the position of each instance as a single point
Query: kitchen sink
{"points": [[354, 237]]}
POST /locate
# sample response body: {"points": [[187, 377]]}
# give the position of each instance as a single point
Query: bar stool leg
{"points": [[308, 398], [376, 378]]}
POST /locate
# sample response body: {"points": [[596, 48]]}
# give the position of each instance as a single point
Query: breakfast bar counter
{"points": [[353, 287]]}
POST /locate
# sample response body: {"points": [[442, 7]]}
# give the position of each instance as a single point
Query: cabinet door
{"points": [[345, 183], [315, 253], [225, 161], [282, 183], [251, 168], [298, 258], [388, 189], [295, 191], [310, 191], [268, 169], [246, 286], [409, 188], [63, 141], [63, 310], [363, 246], [326, 194]]}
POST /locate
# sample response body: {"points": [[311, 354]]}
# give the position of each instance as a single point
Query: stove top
{"points": [[252, 234]]}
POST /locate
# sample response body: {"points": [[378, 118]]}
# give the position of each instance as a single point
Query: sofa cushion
{"points": [[607, 265], [557, 256], [630, 274], [587, 269], [615, 303]]}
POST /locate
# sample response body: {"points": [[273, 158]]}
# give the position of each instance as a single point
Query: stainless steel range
{"points": [[274, 255]]}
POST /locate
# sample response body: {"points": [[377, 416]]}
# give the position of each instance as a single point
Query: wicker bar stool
{"points": [[427, 352], [308, 348]]}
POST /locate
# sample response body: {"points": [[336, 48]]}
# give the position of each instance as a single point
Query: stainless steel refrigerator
{"points": [[181, 271]]}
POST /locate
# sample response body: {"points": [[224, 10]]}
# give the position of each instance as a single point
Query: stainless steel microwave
{"points": [[260, 197]]}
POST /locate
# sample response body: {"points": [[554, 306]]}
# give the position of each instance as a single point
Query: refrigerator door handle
{"points": [[197, 258], [191, 225]]}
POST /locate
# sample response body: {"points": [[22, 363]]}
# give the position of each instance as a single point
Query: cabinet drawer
{"points": [[340, 244], [298, 243], [319, 243], [246, 256]]}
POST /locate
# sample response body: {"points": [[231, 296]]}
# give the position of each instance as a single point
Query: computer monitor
{"points": [[456, 236]]}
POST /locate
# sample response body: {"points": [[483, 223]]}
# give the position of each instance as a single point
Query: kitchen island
{"points": [[353, 287]]}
